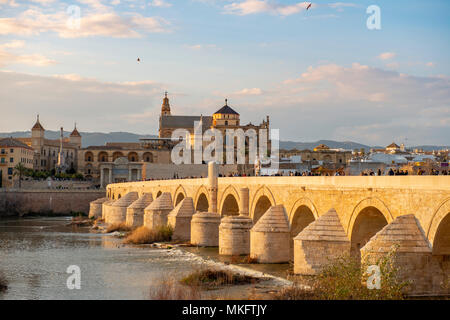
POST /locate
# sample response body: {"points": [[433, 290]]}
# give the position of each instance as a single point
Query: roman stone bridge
{"points": [[364, 204]]}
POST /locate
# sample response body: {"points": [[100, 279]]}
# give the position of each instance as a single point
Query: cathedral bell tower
{"points": [[165, 108]]}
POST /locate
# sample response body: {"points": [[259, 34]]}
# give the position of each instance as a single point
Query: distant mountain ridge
{"points": [[100, 139]]}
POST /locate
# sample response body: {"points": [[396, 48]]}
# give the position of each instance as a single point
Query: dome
{"points": [[226, 109]]}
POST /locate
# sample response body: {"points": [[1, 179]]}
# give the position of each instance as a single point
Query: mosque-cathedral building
{"points": [[99, 162]]}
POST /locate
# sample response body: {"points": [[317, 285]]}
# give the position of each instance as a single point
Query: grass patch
{"points": [[121, 227], [215, 278], [143, 235], [345, 279], [3, 283], [169, 289]]}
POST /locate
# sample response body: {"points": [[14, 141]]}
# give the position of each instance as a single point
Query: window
{"points": [[11, 150], [3, 160], [10, 171], [226, 122], [3, 151], [11, 160]]}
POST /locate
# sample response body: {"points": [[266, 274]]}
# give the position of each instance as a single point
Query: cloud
{"points": [[387, 55], [430, 64], [10, 3], [203, 47], [8, 58], [249, 92], [107, 23], [13, 44], [362, 103], [159, 4], [339, 6], [248, 7], [260, 6], [62, 99]]}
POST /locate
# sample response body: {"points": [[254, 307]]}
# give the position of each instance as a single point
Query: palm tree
{"points": [[19, 170]]}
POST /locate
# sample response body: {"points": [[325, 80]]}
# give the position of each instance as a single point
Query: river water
{"points": [[36, 252]]}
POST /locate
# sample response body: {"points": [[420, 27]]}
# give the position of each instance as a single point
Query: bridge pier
{"points": [[234, 231], [95, 208], [270, 237], [205, 229], [319, 243], [135, 212], [411, 253], [180, 219], [155, 215], [118, 211], [105, 209]]}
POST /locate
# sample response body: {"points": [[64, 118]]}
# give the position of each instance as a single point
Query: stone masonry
{"points": [[269, 238], [180, 219], [155, 215], [319, 244], [135, 212]]}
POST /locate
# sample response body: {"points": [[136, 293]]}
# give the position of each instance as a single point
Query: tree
{"points": [[20, 170]]}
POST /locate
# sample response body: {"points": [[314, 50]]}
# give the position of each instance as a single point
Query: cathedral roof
{"points": [[184, 121], [226, 109]]}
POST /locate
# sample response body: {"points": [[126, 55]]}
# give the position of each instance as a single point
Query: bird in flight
{"points": [[138, 60], [309, 6]]}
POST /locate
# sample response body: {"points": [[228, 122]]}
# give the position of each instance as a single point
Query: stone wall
{"points": [[20, 202]]}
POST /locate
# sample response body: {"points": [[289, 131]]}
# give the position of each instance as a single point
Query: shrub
{"points": [[122, 227], [345, 279], [143, 235], [215, 278], [169, 289]]}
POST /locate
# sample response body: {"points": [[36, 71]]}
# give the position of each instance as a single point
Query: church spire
{"points": [[38, 125], [165, 108]]}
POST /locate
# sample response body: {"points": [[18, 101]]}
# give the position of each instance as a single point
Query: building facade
{"points": [[320, 153], [97, 161], [47, 151], [12, 153]]}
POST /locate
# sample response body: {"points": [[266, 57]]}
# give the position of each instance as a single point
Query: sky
{"points": [[319, 73]]}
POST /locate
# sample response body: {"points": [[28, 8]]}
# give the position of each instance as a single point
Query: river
{"points": [[36, 252]]}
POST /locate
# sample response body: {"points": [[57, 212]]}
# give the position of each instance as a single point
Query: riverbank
{"points": [[20, 202]]}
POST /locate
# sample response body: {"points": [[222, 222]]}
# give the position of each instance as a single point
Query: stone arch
{"points": [[440, 222], [202, 203], [367, 218], [201, 190], [179, 195], [117, 154], [261, 202], [303, 212], [133, 157], [88, 157], [229, 191], [158, 194], [230, 206], [147, 157], [103, 157]]}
